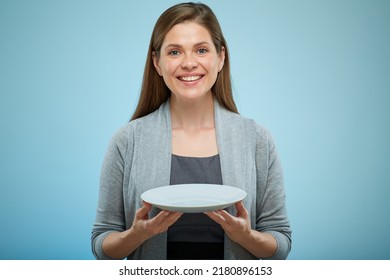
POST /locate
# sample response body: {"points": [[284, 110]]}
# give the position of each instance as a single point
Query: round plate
{"points": [[193, 198]]}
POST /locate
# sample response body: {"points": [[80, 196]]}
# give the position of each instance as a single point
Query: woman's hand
{"points": [[119, 245], [146, 228], [237, 228]]}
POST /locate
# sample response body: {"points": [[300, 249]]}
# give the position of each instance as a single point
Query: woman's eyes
{"points": [[200, 51], [174, 52]]}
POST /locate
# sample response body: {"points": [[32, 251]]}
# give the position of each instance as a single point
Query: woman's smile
{"points": [[190, 78]]}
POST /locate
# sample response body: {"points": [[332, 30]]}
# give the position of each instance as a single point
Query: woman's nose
{"points": [[189, 62]]}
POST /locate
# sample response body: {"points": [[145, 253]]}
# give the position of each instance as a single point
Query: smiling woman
{"points": [[186, 130]]}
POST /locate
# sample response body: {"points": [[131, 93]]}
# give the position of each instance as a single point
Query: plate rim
{"points": [[194, 209]]}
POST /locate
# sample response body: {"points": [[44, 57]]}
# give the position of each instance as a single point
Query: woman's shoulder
{"points": [[257, 134], [254, 125], [132, 128], [232, 119], [120, 138], [153, 119], [251, 126]]}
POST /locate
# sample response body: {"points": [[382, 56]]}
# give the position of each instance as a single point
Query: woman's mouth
{"points": [[190, 78]]}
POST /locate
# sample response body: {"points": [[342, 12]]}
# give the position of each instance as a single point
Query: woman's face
{"points": [[188, 61]]}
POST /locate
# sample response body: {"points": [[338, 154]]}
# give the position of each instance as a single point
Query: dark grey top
{"points": [[195, 227]]}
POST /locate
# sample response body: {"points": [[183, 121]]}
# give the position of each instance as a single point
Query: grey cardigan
{"points": [[139, 158]]}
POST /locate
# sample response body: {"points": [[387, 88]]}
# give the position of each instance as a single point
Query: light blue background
{"points": [[315, 73]]}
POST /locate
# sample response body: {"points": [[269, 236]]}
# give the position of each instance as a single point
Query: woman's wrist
{"points": [[133, 235], [119, 245], [260, 244]]}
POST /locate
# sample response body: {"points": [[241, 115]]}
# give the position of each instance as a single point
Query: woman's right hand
{"points": [[146, 228], [119, 245]]}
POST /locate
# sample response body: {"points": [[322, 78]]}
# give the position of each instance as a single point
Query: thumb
{"points": [[241, 211], [143, 211]]}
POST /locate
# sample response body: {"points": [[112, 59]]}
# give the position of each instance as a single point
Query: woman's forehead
{"points": [[187, 33]]}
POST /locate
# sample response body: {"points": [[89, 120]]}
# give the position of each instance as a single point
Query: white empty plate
{"points": [[193, 198]]}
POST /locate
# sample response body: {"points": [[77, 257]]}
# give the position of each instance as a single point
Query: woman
{"points": [[186, 129]]}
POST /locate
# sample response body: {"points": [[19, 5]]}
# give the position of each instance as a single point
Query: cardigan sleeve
{"points": [[110, 214], [271, 211]]}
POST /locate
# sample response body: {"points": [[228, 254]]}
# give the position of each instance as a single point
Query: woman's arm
{"points": [[271, 213], [270, 236], [110, 237]]}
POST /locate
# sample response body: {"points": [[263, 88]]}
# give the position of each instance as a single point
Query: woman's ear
{"points": [[221, 59], [156, 59]]}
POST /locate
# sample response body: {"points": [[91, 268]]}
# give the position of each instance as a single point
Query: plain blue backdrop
{"points": [[315, 73]]}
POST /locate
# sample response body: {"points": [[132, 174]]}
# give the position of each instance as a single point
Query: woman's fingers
{"points": [[222, 217], [229, 219], [162, 221], [215, 217], [142, 213], [234, 226], [173, 217], [146, 227], [241, 211], [165, 217]]}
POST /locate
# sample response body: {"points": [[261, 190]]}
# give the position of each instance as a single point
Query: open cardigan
{"points": [[139, 158]]}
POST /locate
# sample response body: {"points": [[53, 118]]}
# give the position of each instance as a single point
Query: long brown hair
{"points": [[154, 91]]}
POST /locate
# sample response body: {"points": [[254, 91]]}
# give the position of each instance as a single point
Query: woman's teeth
{"points": [[190, 78]]}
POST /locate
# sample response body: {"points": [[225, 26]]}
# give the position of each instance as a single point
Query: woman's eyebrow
{"points": [[180, 46]]}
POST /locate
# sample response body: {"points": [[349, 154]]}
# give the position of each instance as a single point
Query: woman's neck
{"points": [[192, 114]]}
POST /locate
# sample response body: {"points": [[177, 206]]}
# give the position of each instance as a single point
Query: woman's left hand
{"points": [[238, 228]]}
